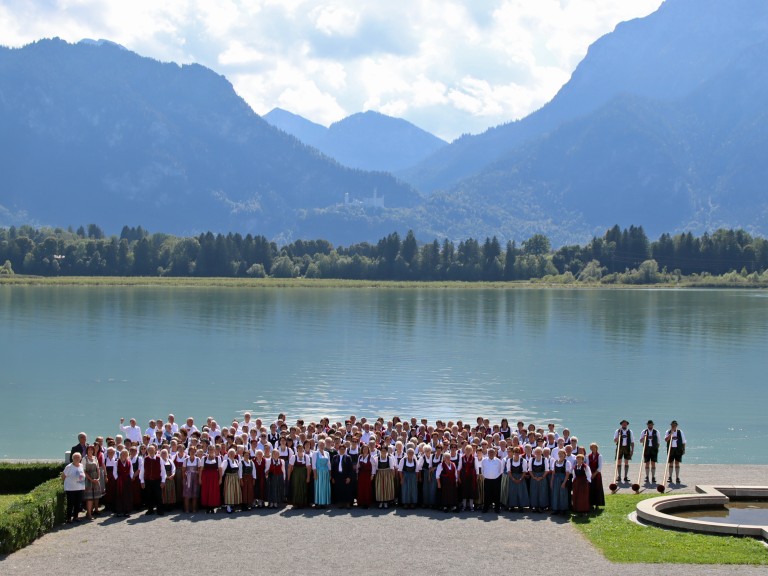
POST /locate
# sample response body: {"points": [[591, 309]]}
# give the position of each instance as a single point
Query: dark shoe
{"points": [[678, 481], [670, 480], [653, 479], [149, 513], [646, 479], [626, 479]]}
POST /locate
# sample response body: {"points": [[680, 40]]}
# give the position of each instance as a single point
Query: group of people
{"points": [[650, 441], [452, 466]]}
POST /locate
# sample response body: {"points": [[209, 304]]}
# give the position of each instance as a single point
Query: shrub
{"points": [[23, 477], [32, 516]]}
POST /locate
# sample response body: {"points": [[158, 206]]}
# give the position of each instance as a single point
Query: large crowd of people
{"points": [[449, 466]]}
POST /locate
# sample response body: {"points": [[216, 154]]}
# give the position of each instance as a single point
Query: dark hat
{"points": [[623, 421], [650, 421], [673, 423]]}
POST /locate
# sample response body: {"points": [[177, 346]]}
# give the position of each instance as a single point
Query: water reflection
{"points": [[586, 358]]}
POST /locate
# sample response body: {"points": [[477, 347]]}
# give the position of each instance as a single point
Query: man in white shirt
{"points": [[626, 442], [172, 422], [190, 426], [492, 468], [214, 430], [650, 440], [675, 440], [150, 431], [247, 421], [132, 432]]}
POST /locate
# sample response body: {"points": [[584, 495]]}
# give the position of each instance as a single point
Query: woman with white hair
{"points": [[74, 485]]}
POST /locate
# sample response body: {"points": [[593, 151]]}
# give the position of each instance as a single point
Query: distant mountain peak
{"points": [[101, 42], [366, 140]]}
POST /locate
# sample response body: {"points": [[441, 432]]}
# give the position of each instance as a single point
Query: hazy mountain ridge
{"points": [[365, 140], [694, 163], [665, 55], [98, 133]]}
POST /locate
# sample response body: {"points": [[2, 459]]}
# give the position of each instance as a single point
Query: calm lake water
{"points": [[79, 358]]}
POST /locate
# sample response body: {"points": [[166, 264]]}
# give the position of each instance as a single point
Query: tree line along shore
{"points": [[619, 257]]}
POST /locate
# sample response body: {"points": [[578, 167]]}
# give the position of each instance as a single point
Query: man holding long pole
{"points": [[650, 437], [626, 447]]}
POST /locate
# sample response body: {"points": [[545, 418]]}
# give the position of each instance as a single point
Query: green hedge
{"points": [[21, 478], [32, 516]]}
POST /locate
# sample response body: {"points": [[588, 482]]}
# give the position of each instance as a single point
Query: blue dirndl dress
{"points": [[517, 494], [322, 482], [539, 489]]}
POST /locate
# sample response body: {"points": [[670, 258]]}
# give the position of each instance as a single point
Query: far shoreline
{"points": [[262, 283]]}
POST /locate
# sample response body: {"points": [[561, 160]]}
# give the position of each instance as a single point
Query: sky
{"points": [[449, 67]]}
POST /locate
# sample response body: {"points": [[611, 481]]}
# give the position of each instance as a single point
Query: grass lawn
{"points": [[621, 540], [8, 499]]}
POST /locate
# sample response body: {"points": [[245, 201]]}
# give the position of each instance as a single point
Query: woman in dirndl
{"points": [[384, 480], [178, 461], [110, 465], [321, 472], [260, 467], [596, 491], [210, 481], [169, 488], [539, 471], [92, 491], [409, 471], [247, 480], [285, 453], [123, 485], [558, 484], [429, 483], [276, 482], [468, 480], [298, 473], [230, 469], [365, 474], [191, 474], [447, 475], [582, 477], [517, 489]]}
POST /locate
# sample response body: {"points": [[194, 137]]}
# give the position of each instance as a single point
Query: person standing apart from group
{"points": [[675, 440], [74, 486], [623, 437]]}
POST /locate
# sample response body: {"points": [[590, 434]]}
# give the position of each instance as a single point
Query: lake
{"points": [[79, 358]]}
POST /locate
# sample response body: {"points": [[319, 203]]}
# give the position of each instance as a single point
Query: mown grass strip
{"points": [[621, 540]]}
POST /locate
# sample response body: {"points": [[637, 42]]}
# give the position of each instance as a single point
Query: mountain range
{"points": [[95, 133], [366, 140], [664, 123]]}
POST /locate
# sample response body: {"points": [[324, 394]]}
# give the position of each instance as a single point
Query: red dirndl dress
{"points": [[468, 476], [364, 483], [210, 492], [260, 488]]}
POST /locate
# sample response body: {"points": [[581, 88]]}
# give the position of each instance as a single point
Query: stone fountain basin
{"points": [[652, 510]]}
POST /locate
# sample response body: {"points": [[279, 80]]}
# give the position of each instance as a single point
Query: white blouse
{"points": [[315, 457], [416, 461], [521, 462]]}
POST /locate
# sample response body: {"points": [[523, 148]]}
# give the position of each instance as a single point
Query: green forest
{"points": [[620, 256]]}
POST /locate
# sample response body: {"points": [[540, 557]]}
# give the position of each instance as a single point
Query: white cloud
{"points": [[449, 66]]}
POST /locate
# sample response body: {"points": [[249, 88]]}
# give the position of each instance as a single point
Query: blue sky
{"points": [[450, 67]]}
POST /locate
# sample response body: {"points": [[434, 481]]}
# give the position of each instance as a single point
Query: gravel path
{"points": [[331, 541]]}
